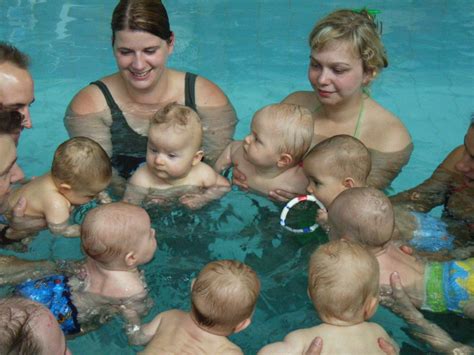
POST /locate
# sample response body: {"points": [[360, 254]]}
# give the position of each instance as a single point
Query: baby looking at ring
{"points": [[173, 168], [269, 156]]}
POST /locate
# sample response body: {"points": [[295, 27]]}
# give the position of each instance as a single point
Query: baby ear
{"points": [[63, 187], [198, 157], [348, 183], [130, 259], [242, 325], [284, 160], [370, 307]]}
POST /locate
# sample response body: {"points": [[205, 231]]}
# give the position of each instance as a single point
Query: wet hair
{"points": [[141, 15], [357, 28], [362, 214], [112, 230], [224, 294], [17, 333], [294, 124], [342, 276], [9, 53], [10, 122], [344, 157], [81, 163], [176, 115]]}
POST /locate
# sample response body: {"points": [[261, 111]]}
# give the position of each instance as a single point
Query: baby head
{"points": [[280, 135], [11, 124], [224, 296], [10, 172], [28, 327], [81, 169], [359, 31], [343, 282], [118, 236], [364, 215], [174, 141], [336, 164]]}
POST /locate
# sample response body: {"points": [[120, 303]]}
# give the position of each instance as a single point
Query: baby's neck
{"points": [[207, 330], [343, 323], [96, 267]]}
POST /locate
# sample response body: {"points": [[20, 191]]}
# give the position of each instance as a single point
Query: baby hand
{"points": [[103, 197], [194, 201]]}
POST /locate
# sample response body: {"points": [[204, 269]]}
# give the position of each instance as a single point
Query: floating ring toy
{"points": [[291, 204]]}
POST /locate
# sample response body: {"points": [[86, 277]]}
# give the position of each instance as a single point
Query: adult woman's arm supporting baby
{"points": [[398, 301]]}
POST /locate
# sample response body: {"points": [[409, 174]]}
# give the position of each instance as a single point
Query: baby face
{"points": [[260, 145], [145, 241], [322, 184], [80, 196], [171, 151]]}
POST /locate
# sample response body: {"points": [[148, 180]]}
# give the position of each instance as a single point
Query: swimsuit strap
{"points": [[359, 120], [189, 84], [108, 96]]}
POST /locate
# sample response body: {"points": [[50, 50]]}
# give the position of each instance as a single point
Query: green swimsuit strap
{"points": [[359, 120]]}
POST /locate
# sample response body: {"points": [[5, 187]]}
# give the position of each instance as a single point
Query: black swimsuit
{"points": [[129, 147]]}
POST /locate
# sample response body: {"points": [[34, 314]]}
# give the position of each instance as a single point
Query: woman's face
{"points": [[141, 57], [466, 165], [336, 73]]}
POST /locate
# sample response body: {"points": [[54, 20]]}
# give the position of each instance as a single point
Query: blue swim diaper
{"points": [[54, 293], [431, 234]]}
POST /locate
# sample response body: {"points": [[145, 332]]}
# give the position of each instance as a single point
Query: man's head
{"points": [[118, 236], [27, 327], [81, 169], [343, 282], [336, 164], [362, 214], [224, 296], [16, 83]]}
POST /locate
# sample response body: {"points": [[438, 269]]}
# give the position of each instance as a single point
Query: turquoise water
{"points": [[256, 51]]}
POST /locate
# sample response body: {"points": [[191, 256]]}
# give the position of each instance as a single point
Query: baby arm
{"points": [[292, 344], [56, 213], [215, 186], [225, 159], [143, 334]]}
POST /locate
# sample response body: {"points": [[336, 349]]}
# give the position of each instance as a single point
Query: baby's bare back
{"points": [[356, 339], [410, 269], [178, 334]]}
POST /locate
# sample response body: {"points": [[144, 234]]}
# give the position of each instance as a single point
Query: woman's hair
{"points": [[141, 15], [10, 122], [356, 27]]}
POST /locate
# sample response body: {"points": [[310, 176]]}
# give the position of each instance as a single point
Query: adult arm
{"points": [[432, 192], [428, 332], [218, 118]]}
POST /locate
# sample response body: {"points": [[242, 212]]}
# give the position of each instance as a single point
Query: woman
{"points": [[116, 110], [450, 185]]}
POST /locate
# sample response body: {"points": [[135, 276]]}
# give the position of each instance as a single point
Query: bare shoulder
{"points": [[141, 177], [303, 98], [209, 94], [377, 329], [452, 158], [385, 131], [88, 100]]}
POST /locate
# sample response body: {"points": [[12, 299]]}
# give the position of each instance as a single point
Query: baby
{"points": [[173, 159], [116, 238], [27, 327], [270, 155], [80, 171], [366, 215], [223, 299], [343, 286]]}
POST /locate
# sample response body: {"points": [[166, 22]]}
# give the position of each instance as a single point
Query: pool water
{"points": [[256, 51]]}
